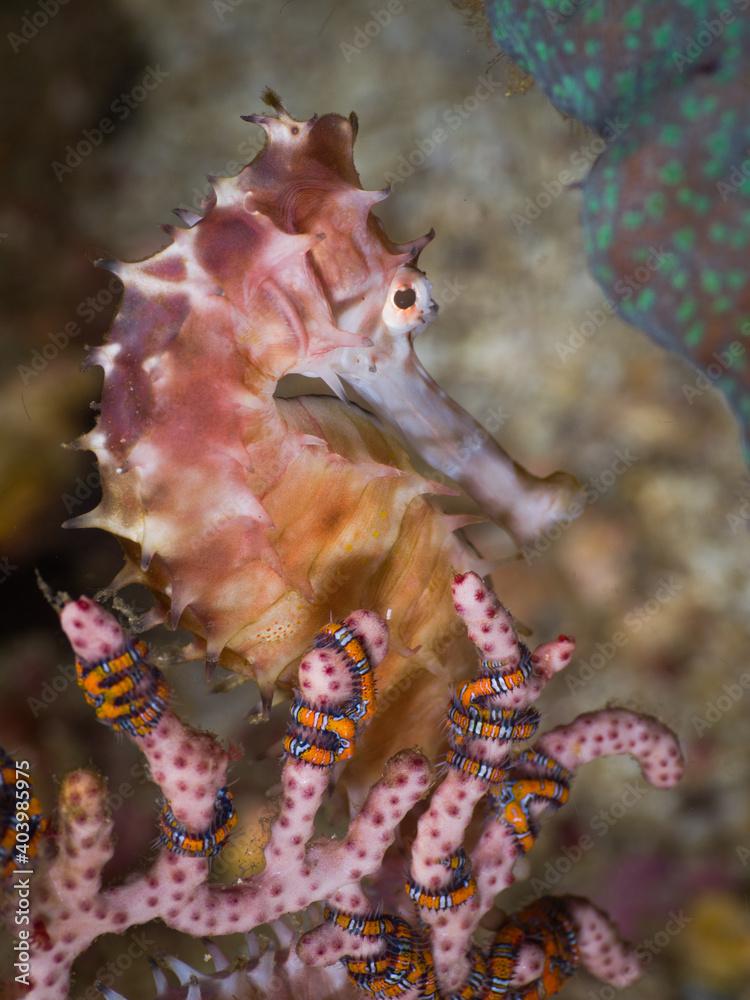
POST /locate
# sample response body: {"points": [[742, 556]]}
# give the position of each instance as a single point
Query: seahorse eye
{"points": [[408, 305], [405, 298]]}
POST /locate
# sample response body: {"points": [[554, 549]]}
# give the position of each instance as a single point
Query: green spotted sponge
{"points": [[666, 207]]}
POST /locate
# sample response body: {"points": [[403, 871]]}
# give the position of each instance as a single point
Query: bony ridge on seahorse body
{"points": [[235, 505]]}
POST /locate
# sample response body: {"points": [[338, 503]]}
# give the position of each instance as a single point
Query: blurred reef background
{"points": [[112, 115]]}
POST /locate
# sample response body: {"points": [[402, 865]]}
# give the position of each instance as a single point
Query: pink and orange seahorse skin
{"points": [[254, 517]]}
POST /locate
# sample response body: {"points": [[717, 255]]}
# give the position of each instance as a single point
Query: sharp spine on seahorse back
{"points": [[288, 271]]}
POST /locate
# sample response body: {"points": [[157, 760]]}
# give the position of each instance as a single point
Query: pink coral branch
{"points": [[440, 833], [442, 829], [489, 715], [613, 731], [604, 733], [494, 858], [372, 830], [529, 965], [69, 893], [328, 943], [490, 627], [188, 766], [191, 767], [290, 883], [602, 951]]}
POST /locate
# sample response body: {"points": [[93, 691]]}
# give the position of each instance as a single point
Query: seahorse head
{"points": [[293, 248]]}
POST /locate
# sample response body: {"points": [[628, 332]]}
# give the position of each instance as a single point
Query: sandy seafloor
{"points": [[524, 340]]}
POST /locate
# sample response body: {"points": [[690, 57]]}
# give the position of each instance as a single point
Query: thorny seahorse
{"points": [[253, 517]]}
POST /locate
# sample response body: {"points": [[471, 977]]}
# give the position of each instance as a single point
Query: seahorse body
{"points": [[252, 517]]}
